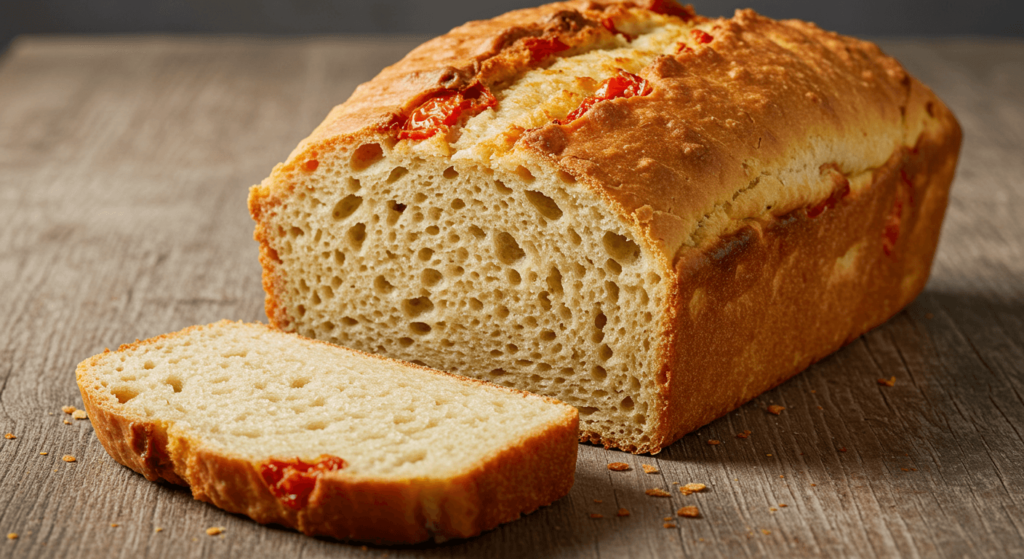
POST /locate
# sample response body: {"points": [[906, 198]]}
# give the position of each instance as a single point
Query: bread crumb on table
{"points": [[68, 458], [68, 409], [743, 434], [80, 414], [12, 535], [714, 442], [891, 381], [783, 505], [688, 512], [599, 501], [114, 524], [43, 453], [657, 492], [158, 529], [775, 410], [618, 466], [214, 530], [648, 469], [669, 525], [692, 488], [765, 532], [623, 512], [596, 515], [10, 436], [66, 422]]}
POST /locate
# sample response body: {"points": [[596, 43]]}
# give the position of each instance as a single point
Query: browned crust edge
{"points": [[535, 471]]}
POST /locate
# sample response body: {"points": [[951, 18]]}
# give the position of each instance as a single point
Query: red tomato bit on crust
{"points": [[543, 48], [445, 109], [622, 84], [292, 481]]}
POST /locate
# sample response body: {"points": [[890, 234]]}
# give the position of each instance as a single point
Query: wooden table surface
{"points": [[124, 169]]}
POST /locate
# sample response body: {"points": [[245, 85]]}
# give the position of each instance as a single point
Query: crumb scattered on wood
{"points": [[666, 519], [773, 509], [66, 422], [657, 492], [842, 449], [68, 409], [12, 535], [713, 442], [10, 436], [814, 485], [669, 525], [80, 414], [891, 381], [43, 453], [783, 505], [744, 434], [765, 532], [690, 488], [648, 469], [596, 515], [598, 501], [158, 529], [114, 524], [688, 512], [775, 410], [623, 512], [768, 455], [68, 458], [214, 530], [618, 466]]}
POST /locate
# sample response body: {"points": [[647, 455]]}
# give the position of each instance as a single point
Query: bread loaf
{"points": [[648, 214], [327, 440]]}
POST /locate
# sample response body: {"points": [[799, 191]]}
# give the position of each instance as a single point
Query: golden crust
{"points": [[535, 471]]}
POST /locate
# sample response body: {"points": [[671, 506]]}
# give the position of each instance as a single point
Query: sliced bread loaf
{"points": [[327, 440]]}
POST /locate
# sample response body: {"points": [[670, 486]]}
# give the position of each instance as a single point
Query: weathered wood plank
{"points": [[125, 165]]}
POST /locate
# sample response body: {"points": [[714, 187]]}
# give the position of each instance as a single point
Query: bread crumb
{"points": [[783, 505], [744, 434], [781, 476], [814, 485], [657, 492], [713, 442], [114, 524], [43, 453], [214, 530], [596, 515], [688, 512], [364, 548], [68, 409], [890, 382], [765, 532], [768, 455], [775, 410], [691, 488], [669, 525], [158, 529], [9, 436], [68, 458], [66, 422], [842, 449], [618, 466], [666, 519], [12, 535], [648, 469], [814, 391], [623, 512], [80, 414], [773, 509]]}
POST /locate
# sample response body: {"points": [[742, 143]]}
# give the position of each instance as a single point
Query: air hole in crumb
{"points": [[431, 277], [425, 254], [315, 425], [620, 248], [458, 204], [524, 173], [300, 382], [310, 165], [613, 266], [149, 365], [584, 411], [514, 278], [356, 235], [565, 177], [544, 205], [396, 173], [497, 372], [500, 186], [604, 352], [547, 336], [346, 207], [339, 257], [450, 173], [475, 304], [382, 286], [405, 342], [554, 281], [415, 307], [348, 321], [124, 394], [598, 373], [419, 328], [477, 232], [507, 249], [353, 184], [433, 230], [366, 155], [575, 237], [174, 383], [626, 404]]}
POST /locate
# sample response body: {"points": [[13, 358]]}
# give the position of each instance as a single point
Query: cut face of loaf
{"points": [[325, 439], [650, 215]]}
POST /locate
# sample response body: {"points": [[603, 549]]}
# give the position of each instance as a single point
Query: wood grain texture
{"points": [[124, 168]]}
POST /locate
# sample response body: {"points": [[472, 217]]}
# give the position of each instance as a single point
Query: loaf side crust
{"points": [[535, 471]]}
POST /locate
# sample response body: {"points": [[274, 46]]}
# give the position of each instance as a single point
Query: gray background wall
{"points": [[298, 17]]}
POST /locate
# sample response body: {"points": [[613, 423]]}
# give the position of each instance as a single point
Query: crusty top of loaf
{"points": [[757, 122]]}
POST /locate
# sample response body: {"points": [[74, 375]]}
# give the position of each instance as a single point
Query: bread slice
{"points": [[648, 214], [327, 440]]}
